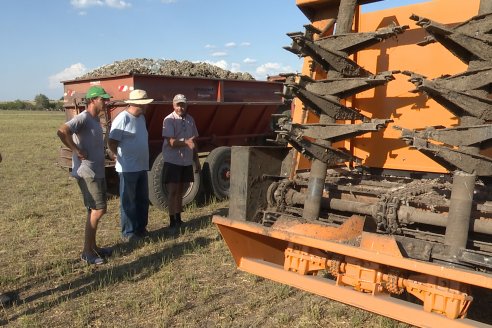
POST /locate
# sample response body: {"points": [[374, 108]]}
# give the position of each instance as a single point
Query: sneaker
{"points": [[104, 251], [92, 259]]}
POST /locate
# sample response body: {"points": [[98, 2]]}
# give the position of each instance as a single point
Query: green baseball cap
{"points": [[96, 91]]}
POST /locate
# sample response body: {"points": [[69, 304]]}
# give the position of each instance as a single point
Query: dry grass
{"points": [[188, 281]]}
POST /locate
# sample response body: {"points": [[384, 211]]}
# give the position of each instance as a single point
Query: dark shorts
{"points": [[176, 173], [94, 192]]}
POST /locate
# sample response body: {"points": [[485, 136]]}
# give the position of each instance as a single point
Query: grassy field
{"points": [[166, 281]]}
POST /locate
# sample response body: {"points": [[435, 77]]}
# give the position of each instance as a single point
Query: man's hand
{"points": [[113, 148], [190, 143], [81, 154]]}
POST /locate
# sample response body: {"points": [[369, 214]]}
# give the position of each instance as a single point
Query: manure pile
{"points": [[164, 67]]}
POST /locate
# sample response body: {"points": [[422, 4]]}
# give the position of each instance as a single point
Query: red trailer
{"points": [[227, 113]]}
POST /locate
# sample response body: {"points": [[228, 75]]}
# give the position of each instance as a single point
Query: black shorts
{"points": [[173, 173]]}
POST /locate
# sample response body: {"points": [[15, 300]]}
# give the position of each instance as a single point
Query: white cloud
{"points": [[68, 73], [249, 61], [245, 44], [267, 69], [260, 73], [219, 54], [235, 67], [230, 44], [119, 4], [209, 46], [86, 3], [168, 1], [221, 63]]}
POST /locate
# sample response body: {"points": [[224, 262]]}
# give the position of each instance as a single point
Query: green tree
{"points": [[57, 105], [41, 102]]}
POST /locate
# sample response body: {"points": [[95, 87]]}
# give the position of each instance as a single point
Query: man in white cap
{"points": [[179, 151], [128, 141]]}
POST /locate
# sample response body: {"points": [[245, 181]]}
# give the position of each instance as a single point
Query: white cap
{"points": [[179, 98]]}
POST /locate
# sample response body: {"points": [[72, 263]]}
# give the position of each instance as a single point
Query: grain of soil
{"points": [[188, 280]]}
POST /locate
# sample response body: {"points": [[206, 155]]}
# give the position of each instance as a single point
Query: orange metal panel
{"points": [[381, 303], [384, 149], [252, 240], [314, 9], [394, 101], [263, 251], [349, 230]]}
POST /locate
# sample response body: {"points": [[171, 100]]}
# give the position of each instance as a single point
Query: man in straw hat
{"points": [[83, 134], [128, 141]]}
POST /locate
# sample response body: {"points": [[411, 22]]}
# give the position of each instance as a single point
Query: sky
{"points": [[48, 41]]}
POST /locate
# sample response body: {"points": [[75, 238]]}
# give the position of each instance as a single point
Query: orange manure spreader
{"points": [[378, 192]]}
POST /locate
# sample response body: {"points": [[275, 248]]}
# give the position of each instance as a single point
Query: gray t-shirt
{"points": [[88, 136], [133, 146], [181, 128]]}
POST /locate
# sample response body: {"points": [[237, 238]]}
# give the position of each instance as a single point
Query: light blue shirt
{"points": [[133, 147]]}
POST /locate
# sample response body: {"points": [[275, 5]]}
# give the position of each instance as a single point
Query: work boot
{"points": [[172, 221], [179, 223], [173, 226]]}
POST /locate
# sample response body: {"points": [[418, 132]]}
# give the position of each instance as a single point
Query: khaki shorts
{"points": [[94, 192]]}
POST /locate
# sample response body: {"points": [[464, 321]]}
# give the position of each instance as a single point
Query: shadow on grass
{"points": [[137, 270]]}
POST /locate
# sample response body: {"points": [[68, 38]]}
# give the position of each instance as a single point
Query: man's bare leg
{"points": [[93, 217]]}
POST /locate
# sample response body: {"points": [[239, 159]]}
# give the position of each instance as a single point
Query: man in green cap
{"points": [[83, 134]]}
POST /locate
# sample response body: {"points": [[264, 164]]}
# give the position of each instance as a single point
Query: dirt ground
{"points": [[189, 280], [185, 280]]}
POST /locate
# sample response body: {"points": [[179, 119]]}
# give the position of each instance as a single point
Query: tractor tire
{"points": [[217, 171], [157, 189]]}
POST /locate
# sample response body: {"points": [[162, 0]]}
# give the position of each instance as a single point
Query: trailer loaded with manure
{"points": [[228, 108]]}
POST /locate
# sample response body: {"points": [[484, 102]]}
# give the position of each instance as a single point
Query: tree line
{"points": [[40, 102]]}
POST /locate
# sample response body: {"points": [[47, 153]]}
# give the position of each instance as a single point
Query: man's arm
{"points": [[178, 143], [65, 136], [113, 147], [168, 134]]}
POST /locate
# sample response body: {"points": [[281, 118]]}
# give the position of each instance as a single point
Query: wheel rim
{"points": [[187, 189], [224, 176]]}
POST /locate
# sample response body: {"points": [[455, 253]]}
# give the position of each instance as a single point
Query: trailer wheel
{"points": [[217, 170], [157, 188]]}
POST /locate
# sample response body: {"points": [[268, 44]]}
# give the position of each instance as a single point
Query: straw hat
{"points": [[139, 97]]}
